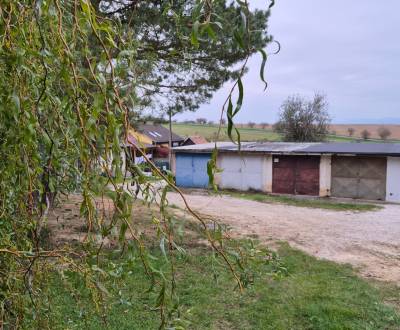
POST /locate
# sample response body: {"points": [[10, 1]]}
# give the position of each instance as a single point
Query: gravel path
{"points": [[369, 241]]}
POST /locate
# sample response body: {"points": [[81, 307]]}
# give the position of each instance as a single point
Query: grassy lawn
{"points": [[210, 132], [305, 202], [246, 134], [313, 295], [337, 138], [249, 134], [308, 293]]}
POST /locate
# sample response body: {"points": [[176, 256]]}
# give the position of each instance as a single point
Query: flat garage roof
{"points": [[345, 148]]}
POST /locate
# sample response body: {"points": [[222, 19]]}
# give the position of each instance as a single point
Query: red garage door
{"points": [[296, 175]]}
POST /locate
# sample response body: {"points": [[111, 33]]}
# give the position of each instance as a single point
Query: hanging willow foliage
{"points": [[63, 123]]}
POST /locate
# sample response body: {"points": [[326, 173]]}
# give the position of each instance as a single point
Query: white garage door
{"points": [[241, 172], [393, 180]]}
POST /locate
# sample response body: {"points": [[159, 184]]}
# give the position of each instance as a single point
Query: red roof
{"points": [[197, 139]]}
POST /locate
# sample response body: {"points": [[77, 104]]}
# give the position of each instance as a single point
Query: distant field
{"points": [[210, 132], [259, 134], [373, 129]]}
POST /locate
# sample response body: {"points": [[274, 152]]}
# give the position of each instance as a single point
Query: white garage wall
{"points": [[393, 180], [102, 162], [267, 173], [325, 169], [244, 172]]}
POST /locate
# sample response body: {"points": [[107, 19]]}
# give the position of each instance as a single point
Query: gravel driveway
{"points": [[369, 241]]}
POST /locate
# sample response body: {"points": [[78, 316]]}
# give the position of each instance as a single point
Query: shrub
{"points": [[304, 121], [384, 132], [365, 134], [351, 131], [201, 121]]}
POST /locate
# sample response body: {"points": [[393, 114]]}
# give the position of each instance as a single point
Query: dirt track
{"points": [[369, 241]]}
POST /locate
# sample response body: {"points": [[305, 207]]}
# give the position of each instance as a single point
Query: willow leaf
{"points": [[240, 98], [262, 68]]}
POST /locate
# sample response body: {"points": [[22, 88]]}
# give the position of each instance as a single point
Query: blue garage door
{"points": [[191, 170]]}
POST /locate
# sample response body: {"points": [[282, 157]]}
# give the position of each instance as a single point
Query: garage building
{"points": [[352, 170]]}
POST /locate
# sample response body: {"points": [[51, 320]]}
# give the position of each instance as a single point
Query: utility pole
{"points": [[170, 139]]}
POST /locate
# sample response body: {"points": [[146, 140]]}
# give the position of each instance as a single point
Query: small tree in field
{"points": [[351, 131], [201, 121], [301, 120], [384, 132], [365, 134], [264, 125], [251, 124]]}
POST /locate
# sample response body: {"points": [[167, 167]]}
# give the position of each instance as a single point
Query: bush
{"points": [[201, 121], [304, 121], [384, 133], [351, 131], [365, 134]]}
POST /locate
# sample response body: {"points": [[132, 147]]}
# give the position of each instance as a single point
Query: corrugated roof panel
{"points": [[355, 148], [206, 147], [390, 149], [277, 146]]}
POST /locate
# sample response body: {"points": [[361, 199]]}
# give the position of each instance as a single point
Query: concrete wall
{"points": [[268, 173], [325, 175], [247, 171], [254, 171], [103, 163], [244, 172], [393, 180]]}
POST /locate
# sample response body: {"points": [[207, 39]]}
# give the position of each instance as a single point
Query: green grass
{"points": [[314, 295], [310, 293], [338, 138], [246, 134], [305, 202], [210, 132], [249, 134]]}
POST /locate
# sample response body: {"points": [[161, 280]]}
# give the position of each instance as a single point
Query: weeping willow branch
{"points": [[63, 117]]}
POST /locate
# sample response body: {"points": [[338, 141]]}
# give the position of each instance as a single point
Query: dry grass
{"points": [[372, 128], [67, 226]]}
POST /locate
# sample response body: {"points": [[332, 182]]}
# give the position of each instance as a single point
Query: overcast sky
{"points": [[349, 50]]}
